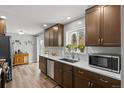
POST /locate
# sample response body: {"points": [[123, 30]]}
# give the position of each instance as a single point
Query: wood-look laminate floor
{"points": [[29, 76]]}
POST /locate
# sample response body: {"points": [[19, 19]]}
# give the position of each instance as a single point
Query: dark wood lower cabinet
{"points": [[79, 82], [58, 72], [43, 64], [67, 76], [73, 77], [86, 79], [63, 74]]}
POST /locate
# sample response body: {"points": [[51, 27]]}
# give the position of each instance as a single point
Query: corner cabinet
{"points": [[54, 36], [103, 26]]}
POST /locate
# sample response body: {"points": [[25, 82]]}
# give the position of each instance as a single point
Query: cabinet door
{"points": [[111, 35], [46, 38], [79, 82], [93, 26], [43, 64], [67, 79], [51, 33], [60, 35], [2, 27], [55, 36], [58, 72], [67, 76]]}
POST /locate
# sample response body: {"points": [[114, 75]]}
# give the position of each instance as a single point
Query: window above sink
{"points": [[76, 37]]}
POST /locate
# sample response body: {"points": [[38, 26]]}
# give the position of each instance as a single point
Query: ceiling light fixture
{"points": [[68, 17], [45, 25], [3, 17], [21, 32]]}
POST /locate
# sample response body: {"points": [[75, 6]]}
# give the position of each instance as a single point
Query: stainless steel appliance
{"points": [[110, 62], [50, 68], [5, 54]]}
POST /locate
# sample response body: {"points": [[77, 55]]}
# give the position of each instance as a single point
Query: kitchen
{"points": [[83, 52]]}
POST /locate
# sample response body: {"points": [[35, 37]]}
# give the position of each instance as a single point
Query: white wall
{"points": [[122, 45], [40, 49], [30, 48]]}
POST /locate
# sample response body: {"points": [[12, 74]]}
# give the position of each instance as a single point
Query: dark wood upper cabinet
{"points": [[46, 38], [55, 37], [103, 26], [51, 36], [2, 27], [93, 26], [111, 32], [60, 38]]}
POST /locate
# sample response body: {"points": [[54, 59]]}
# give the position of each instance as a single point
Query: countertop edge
{"points": [[72, 64]]}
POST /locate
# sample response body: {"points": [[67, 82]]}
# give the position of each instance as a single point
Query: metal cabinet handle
{"points": [[91, 84], [80, 72], [105, 81], [88, 84], [99, 41]]}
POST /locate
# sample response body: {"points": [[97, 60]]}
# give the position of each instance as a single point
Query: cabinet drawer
{"points": [[67, 67], [81, 73], [105, 81], [102, 81]]}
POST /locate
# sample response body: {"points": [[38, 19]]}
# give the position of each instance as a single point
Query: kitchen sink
{"points": [[69, 60]]}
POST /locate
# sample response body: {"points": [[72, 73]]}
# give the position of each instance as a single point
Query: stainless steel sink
{"points": [[69, 60]]}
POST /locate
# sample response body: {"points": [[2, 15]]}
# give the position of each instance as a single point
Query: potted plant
{"points": [[69, 47], [81, 47], [75, 47]]}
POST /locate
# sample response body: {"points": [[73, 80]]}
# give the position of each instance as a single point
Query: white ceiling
{"points": [[30, 18]]}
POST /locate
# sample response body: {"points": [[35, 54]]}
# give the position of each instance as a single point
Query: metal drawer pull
{"points": [[102, 40], [99, 41], [105, 81], [88, 84], [80, 72], [91, 84]]}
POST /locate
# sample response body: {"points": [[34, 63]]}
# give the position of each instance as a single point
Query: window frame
{"points": [[68, 38]]}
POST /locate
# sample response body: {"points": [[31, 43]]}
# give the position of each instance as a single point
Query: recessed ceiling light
{"points": [[45, 25], [68, 17], [3, 17], [21, 32]]}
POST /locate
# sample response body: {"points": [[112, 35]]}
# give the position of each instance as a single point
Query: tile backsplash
{"points": [[111, 50], [56, 51], [59, 51]]}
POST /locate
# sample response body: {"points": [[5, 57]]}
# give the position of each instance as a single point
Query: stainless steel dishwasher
{"points": [[50, 68]]}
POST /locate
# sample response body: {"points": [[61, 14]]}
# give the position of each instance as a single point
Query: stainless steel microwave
{"points": [[109, 62]]}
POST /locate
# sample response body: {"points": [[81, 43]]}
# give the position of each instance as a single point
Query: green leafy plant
{"points": [[81, 47], [69, 46]]}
